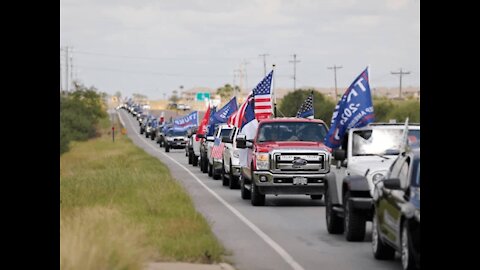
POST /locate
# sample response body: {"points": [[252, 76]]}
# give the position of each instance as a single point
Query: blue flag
{"points": [[187, 121], [211, 123], [221, 116], [353, 110], [306, 110]]}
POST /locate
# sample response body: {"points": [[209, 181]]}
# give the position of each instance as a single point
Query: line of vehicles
{"points": [[372, 177]]}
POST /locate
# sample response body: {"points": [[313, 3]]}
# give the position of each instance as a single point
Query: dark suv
{"points": [[396, 219]]}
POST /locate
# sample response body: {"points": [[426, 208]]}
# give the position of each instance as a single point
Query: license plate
{"points": [[306, 157], [299, 181]]}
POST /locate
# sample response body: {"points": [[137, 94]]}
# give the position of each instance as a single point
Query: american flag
{"points": [[263, 98], [306, 110], [217, 150]]}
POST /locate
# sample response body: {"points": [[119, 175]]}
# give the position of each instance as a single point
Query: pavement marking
{"points": [[284, 254]]}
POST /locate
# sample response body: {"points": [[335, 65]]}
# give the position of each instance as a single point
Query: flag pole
{"points": [[273, 93], [313, 104]]}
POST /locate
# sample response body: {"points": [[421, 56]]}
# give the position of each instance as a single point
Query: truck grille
{"points": [[299, 161]]}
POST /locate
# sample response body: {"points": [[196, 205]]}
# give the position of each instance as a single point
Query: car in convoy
{"points": [[215, 162], [231, 160], [396, 218], [151, 129], [193, 147], [175, 139], [364, 157], [287, 156]]}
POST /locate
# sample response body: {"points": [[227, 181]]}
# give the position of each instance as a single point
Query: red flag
{"points": [[202, 128]]}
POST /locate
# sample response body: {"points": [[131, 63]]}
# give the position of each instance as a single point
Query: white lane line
{"points": [[121, 120], [295, 265]]}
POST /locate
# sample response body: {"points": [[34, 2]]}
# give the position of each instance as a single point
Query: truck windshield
{"points": [[225, 132], [292, 131], [378, 141], [178, 133]]}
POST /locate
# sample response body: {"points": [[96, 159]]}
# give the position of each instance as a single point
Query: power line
{"points": [[158, 58], [335, 77], [401, 73]]}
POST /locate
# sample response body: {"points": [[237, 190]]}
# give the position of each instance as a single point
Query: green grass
{"points": [[120, 208]]}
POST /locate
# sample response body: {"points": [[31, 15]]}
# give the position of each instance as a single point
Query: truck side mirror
{"points": [[227, 139], [241, 141], [339, 154], [201, 136], [392, 183]]}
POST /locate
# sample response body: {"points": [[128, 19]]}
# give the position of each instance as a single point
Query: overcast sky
{"points": [[153, 47]]}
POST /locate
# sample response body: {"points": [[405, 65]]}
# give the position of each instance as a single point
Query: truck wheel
{"points": [[225, 180], [233, 182], [408, 262], [141, 131], [354, 222], [257, 199], [194, 160], [210, 169], [215, 175], [190, 159], [203, 165], [381, 251], [334, 222], [167, 148], [146, 135], [316, 197], [243, 191]]}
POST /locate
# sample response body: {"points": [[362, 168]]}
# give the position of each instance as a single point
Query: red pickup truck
{"points": [[287, 156]]}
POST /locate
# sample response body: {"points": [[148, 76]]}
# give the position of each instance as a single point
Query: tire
{"points": [[244, 193], [316, 197], [194, 160], [203, 165], [225, 180], [233, 183], [146, 135], [257, 199], [381, 251], [408, 261], [214, 174], [354, 222], [334, 222], [167, 148], [190, 159], [210, 169], [141, 131]]}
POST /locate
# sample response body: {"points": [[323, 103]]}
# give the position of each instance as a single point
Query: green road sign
{"points": [[201, 96]]}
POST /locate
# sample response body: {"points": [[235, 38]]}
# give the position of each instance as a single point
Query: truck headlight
{"points": [[262, 161], [377, 177]]}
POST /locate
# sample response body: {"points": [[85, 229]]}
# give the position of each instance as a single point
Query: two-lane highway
{"points": [[288, 233]]}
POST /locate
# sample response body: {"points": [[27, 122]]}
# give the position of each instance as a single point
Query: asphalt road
{"points": [[288, 233]]}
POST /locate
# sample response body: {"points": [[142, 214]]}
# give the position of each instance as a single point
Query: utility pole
{"points": [[401, 73], [245, 63], [61, 69], [66, 67], [240, 78], [295, 61], [335, 77], [264, 64], [71, 70]]}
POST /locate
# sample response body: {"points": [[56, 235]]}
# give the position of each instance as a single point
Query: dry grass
{"points": [[120, 208]]}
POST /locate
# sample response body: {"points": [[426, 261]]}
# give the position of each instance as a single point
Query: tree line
{"points": [[80, 113], [384, 108]]}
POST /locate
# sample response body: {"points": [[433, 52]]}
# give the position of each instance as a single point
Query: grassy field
{"points": [[120, 208]]}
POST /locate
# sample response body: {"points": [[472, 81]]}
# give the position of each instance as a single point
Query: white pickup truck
{"points": [[364, 158], [231, 160]]}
